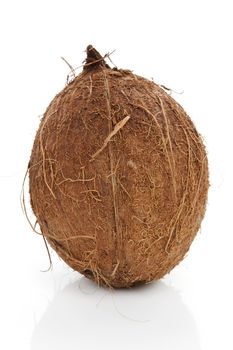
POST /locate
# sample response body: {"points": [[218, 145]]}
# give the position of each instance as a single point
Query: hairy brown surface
{"points": [[118, 177]]}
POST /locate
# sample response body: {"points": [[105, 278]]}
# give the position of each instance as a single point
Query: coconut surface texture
{"points": [[118, 176]]}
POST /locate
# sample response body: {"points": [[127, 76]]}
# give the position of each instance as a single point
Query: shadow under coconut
{"points": [[85, 316]]}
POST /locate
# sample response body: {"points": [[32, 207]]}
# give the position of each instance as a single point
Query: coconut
{"points": [[118, 176]]}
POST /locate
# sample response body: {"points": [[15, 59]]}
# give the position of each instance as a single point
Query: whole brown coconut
{"points": [[118, 176]]}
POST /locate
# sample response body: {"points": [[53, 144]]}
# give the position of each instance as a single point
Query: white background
{"points": [[185, 45]]}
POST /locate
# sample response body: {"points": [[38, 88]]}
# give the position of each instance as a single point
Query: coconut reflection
{"points": [[84, 316]]}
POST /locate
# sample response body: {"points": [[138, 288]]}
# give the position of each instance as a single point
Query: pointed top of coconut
{"points": [[94, 59]]}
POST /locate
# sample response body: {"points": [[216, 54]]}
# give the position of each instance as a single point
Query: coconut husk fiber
{"points": [[118, 176]]}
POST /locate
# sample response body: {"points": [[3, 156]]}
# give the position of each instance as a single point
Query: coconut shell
{"points": [[118, 176]]}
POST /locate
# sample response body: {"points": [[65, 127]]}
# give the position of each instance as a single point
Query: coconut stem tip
{"points": [[94, 59]]}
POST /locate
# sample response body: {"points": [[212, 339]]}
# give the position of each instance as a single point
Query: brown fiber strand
{"points": [[113, 173], [117, 127], [69, 65], [164, 143], [43, 152], [23, 204], [48, 252], [172, 165], [24, 209]]}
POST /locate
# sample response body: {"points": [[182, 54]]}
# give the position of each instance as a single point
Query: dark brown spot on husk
{"points": [[118, 176]]}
